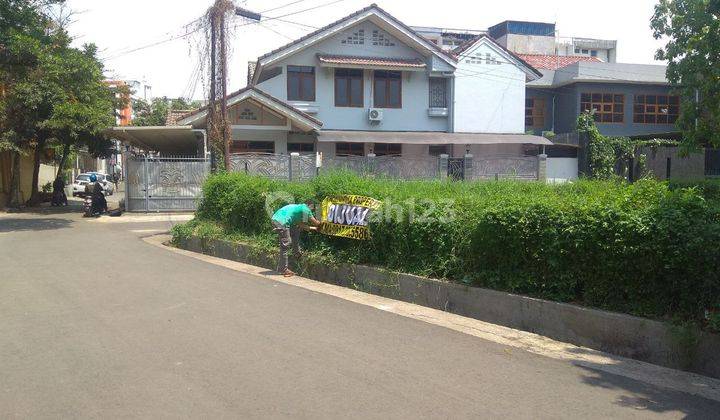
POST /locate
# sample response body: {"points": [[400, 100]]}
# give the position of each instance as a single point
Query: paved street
{"points": [[95, 322]]}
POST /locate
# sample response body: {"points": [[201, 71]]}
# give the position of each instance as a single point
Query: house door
{"points": [[456, 169]]}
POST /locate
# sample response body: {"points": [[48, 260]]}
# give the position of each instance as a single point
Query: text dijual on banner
{"points": [[347, 216]]}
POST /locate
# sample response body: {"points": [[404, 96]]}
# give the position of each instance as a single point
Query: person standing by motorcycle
{"points": [[59, 198]]}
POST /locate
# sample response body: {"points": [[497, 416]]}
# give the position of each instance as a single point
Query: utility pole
{"points": [[219, 131]]}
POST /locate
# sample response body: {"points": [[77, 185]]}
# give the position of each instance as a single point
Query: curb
{"points": [[636, 338]]}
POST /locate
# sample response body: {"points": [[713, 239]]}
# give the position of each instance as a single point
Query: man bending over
{"points": [[287, 222]]}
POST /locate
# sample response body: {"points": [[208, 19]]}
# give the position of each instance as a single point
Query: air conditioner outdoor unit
{"points": [[375, 114]]}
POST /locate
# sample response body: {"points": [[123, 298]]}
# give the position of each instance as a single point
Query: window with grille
{"points": [[349, 149], [300, 83], [388, 89], [301, 147], [349, 87], [439, 149], [535, 112], [606, 107], [438, 92], [252, 147], [656, 109], [387, 149]]}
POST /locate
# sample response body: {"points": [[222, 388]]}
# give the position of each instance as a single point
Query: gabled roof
{"points": [[294, 114], [176, 114], [554, 62], [527, 67], [341, 24]]}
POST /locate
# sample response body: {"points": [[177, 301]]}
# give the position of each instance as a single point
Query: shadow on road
{"points": [[644, 397], [9, 224]]}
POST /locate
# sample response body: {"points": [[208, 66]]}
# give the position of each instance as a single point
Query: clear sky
{"points": [[171, 67]]}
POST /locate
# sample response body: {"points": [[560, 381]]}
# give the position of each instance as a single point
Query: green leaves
{"points": [[691, 29], [643, 248]]}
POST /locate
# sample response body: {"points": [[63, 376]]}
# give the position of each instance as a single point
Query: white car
{"points": [[78, 186]]}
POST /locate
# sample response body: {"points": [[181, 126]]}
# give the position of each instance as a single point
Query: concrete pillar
{"points": [[443, 166], [542, 167], [468, 167], [370, 167], [292, 159]]}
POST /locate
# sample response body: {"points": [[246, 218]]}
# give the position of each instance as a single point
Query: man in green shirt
{"points": [[287, 222]]}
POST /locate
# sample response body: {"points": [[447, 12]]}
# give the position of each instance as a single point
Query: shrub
{"points": [[642, 248]]}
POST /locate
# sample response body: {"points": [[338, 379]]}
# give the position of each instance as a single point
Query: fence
{"points": [[506, 167], [275, 166], [303, 167], [164, 184]]}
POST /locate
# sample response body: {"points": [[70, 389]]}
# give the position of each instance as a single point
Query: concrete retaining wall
{"points": [[624, 335]]}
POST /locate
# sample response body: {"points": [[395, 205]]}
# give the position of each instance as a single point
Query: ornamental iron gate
{"points": [[157, 184]]}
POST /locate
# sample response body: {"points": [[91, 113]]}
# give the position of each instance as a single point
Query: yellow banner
{"points": [[347, 216]]}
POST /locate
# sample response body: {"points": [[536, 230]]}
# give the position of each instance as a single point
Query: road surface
{"points": [[95, 322]]}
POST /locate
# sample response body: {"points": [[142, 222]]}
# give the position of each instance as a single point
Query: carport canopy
{"points": [[171, 140]]}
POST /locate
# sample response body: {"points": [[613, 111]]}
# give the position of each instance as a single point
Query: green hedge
{"points": [[643, 248]]}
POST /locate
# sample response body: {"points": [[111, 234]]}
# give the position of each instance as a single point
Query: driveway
{"points": [[95, 322]]}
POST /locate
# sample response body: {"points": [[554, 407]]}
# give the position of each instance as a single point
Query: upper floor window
{"points": [[607, 107], [388, 89], [300, 83], [656, 109], [438, 92], [534, 112], [349, 87], [387, 149], [349, 149]]}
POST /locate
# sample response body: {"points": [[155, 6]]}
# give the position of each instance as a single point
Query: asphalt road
{"points": [[94, 322]]}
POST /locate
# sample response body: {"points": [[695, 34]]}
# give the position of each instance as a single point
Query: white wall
{"points": [[489, 98], [562, 169]]}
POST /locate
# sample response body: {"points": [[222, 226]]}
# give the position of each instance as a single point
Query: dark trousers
{"points": [[287, 237]]}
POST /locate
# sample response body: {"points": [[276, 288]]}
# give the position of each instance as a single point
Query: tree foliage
{"points": [[692, 31], [54, 93], [155, 113]]}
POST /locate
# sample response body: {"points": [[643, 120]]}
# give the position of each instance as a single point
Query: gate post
{"points": [[292, 158], [370, 167], [542, 168], [443, 161], [468, 166], [147, 183]]}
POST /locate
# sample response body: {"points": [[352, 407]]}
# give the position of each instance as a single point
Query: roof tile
{"points": [[554, 62]]}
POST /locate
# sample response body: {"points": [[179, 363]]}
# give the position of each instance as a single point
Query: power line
{"points": [[188, 33], [283, 6]]}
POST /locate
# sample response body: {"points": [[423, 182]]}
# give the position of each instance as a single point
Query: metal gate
{"points": [[156, 184], [456, 169]]}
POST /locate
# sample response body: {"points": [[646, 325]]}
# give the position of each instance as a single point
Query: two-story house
{"points": [[368, 83]]}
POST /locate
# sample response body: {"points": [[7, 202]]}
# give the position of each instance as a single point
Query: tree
{"points": [[60, 97], [156, 112], [692, 31], [25, 34]]}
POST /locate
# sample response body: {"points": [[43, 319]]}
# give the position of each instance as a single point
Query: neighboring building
{"points": [[541, 38], [628, 99], [522, 37], [123, 116], [369, 84], [448, 39]]}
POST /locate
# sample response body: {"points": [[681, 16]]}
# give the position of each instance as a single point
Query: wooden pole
{"points": [[225, 128], [212, 130]]}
